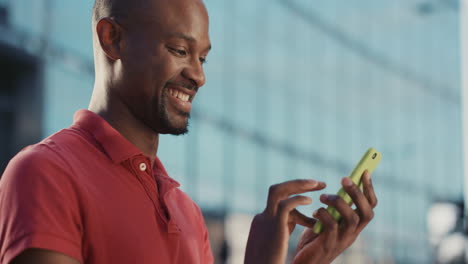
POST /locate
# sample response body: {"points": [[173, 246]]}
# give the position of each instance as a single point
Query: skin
{"points": [[155, 47], [159, 45], [271, 230], [41, 256]]}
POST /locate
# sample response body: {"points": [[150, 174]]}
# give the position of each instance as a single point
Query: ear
{"points": [[110, 37]]}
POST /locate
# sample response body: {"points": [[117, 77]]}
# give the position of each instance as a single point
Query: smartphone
{"points": [[368, 162]]}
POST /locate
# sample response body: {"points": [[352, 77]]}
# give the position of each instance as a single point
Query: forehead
{"points": [[175, 17]]}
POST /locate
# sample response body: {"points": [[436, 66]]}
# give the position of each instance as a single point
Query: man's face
{"points": [[162, 63]]}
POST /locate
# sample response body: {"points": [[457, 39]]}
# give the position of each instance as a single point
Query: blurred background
{"points": [[295, 89]]}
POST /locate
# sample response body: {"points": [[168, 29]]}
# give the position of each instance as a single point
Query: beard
{"points": [[165, 123]]}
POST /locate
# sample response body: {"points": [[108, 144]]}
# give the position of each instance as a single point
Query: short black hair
{"points": [[106, 8]]}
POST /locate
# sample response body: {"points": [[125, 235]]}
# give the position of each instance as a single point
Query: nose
{"points": [[195, 73]]}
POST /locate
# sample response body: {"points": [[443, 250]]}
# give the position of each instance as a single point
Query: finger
{"points": [[369, 189], [350, 219], [307, 237], [301, 219], [363, 208], [285, 207], [330, 227], [279, 192]]}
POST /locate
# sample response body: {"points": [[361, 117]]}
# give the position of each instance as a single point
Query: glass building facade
{"points": [[295, 89]]}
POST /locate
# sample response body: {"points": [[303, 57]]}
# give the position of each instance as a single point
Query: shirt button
{"points": [[142, 166]]}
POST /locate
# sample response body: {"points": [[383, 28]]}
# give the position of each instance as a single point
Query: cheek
{"points": [[164, 69], [148, 70], [138, 58], [137, 69]]}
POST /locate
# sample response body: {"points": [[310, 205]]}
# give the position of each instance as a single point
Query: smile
{"points": [[179, 94]]}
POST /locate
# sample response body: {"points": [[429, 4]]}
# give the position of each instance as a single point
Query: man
{"points": [[97, 193]]}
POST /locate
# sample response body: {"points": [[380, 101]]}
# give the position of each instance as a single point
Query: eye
{"points": [[178, 52], [181, 52], [202, 60]]}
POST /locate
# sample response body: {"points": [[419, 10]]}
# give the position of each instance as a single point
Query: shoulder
{"points": [[42, 164], [48, 155], [40, 157]]}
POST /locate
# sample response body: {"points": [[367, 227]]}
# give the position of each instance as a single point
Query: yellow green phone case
{"points": [[368, 162]]}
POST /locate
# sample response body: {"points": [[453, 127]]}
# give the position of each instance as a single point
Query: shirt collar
{"points": [[116, 146], [161, 173]]}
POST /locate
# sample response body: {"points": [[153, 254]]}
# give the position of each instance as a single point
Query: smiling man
{"points": [[96, 192]]}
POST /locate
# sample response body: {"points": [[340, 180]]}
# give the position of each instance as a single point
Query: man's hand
{"points": [[270, 230], [335, 238]]}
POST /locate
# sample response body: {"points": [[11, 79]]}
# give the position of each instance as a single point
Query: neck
{"points": [[121, 119]]}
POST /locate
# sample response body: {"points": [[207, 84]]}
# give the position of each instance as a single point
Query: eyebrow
{"points": [[188, 38]]}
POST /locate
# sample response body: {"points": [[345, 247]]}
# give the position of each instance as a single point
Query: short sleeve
{"points": [[38, 205]]}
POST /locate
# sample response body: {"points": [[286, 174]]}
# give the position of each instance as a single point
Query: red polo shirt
{"points": [[87, 192]]}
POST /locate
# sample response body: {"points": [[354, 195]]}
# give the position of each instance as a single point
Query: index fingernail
{"points": [[319, 183], [312, 182]]}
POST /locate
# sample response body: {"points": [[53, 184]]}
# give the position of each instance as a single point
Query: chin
{"points": [[176, 131], [175, 128], [172, 122], [179, 132]]}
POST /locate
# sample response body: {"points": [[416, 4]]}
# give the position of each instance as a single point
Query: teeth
{"points": [[178, 94], [182, 97]]}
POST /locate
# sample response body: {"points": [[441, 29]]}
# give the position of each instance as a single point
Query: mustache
{"points": [[189, 86]]}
